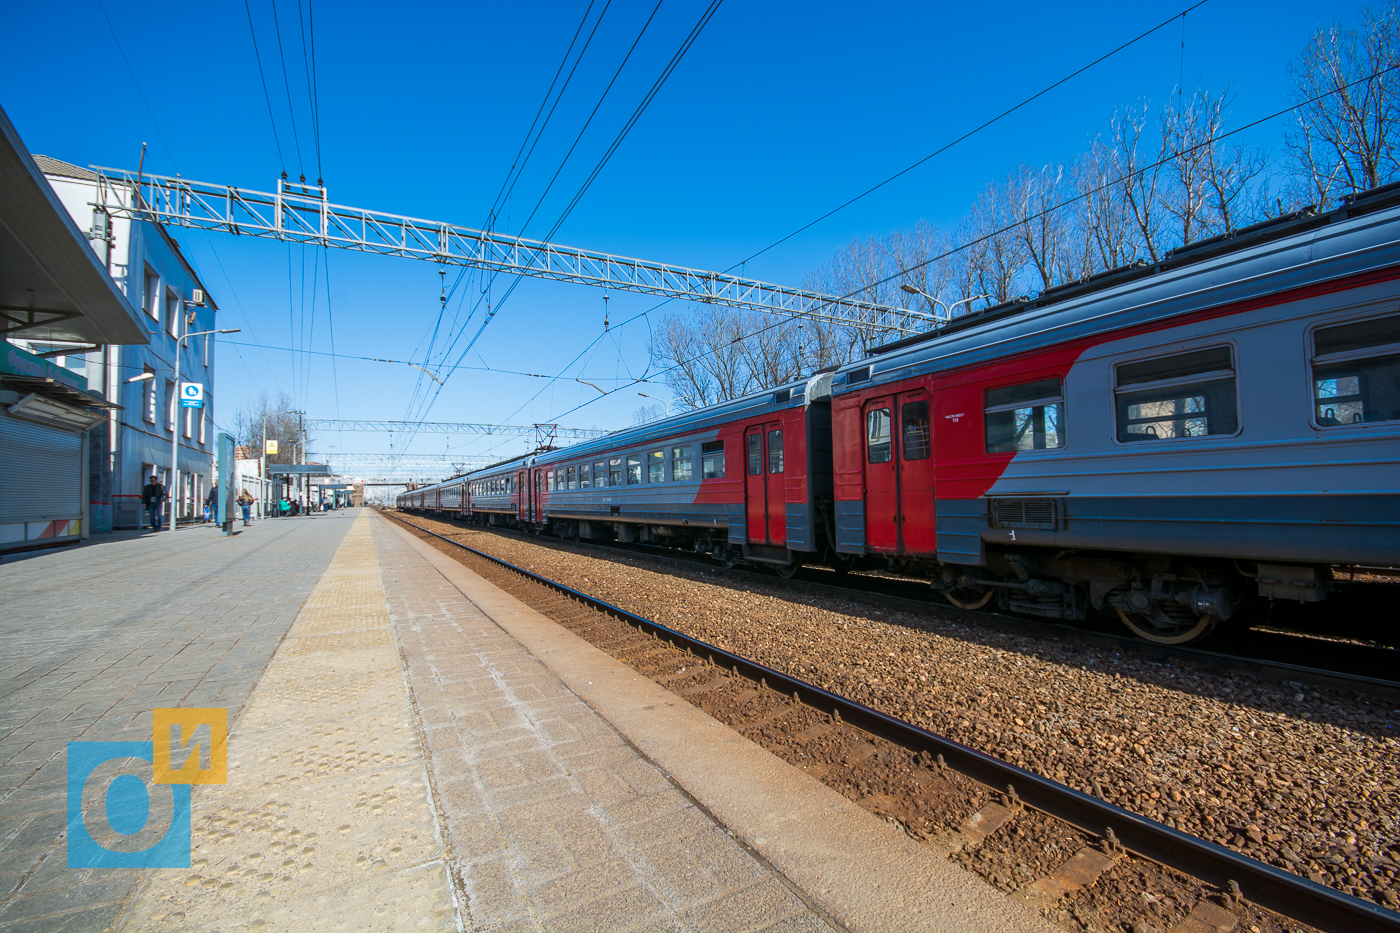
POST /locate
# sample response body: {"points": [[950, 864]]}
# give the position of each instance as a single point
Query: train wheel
{"points": [[788, 571], [1168, 630], [970, 597]]}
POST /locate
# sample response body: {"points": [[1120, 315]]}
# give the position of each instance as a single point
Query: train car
{"points": [[493, 493], [741, 481], [1178, 444]]}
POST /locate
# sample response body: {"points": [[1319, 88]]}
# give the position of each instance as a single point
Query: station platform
{"points": [[411, 748]]}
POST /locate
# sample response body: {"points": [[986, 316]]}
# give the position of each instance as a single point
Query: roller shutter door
{"points": [[40, 471]]}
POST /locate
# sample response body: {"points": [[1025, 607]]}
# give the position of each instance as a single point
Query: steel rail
{"points": [[1282, 892]]}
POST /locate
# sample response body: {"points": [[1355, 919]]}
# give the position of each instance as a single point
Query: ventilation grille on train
{"points": [[1026, 513]]}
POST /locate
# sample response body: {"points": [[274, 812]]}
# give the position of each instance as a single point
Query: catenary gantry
{"points": [[303, 213]]}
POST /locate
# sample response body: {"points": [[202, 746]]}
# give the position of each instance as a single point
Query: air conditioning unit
{"points": [[197, 296]]}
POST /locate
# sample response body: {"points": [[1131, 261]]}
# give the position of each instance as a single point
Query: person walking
{"points": [[245, 502], [211, 504], [153, 498]]}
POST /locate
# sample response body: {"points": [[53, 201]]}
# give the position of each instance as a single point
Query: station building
{"points": [[54, 292], [134, 441]]}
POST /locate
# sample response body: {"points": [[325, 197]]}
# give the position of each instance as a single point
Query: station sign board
{"points": [[191, 395], [271, 448]]}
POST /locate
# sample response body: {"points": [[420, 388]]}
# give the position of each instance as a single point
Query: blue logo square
{"points": [[126, 809]]}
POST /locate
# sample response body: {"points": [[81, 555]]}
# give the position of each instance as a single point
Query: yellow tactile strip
{"points": [[326, 822]]}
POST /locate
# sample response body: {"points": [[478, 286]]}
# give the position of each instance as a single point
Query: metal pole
{"points": [[175, 427], [262, 476]]}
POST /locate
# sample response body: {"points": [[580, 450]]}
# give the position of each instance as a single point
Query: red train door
{"points": [[764, 484], [915, 454], [899, 474], [881, 477]]}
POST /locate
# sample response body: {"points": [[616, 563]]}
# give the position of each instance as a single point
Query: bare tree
{"points": [[1345, 141], [282, 425], [1136, 175]]}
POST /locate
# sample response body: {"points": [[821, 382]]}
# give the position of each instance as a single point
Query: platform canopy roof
{"points": [[52, 284]]}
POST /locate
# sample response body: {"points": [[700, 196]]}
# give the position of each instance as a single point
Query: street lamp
{"points": [[174, 425], [663, 401], [947, 309]]}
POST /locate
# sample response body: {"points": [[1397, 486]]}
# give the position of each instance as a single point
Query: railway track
{"points": [[1097, 838], [1272, 654]]}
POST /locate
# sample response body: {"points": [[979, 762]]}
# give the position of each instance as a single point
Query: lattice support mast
{"points": [[303, 213]]}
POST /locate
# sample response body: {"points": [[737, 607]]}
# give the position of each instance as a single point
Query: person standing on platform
{"points": [[153, 498]]}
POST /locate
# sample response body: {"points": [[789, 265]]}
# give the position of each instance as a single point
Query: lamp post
{"points": [[947, 309], [663, 401], [174, 419]]}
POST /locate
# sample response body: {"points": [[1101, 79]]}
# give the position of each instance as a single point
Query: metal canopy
{"points": [[299, 469], [52, 284]]}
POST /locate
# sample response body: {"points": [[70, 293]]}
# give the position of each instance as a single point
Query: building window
{"points": [[170, 406], [634, 469], [172, 313], [775, 451], [615, 471], [878, 448], [656, 466], [1026, 417], [914, 431], [600, 473], [1184, 395], [712, 460], [201, 426], [150, 298], [754, 445], [207, 338], [1356, 372], [189, 422], [150, 389], [680, 464]]}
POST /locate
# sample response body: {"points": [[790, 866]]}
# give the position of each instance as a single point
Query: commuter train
{"points": [[1176, 444]]}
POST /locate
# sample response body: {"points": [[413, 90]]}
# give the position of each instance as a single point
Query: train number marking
{"points": [[954, 418]]}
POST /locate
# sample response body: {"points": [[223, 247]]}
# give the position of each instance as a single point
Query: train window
{"points": [[1030, 416], [1356, 372], [755, 442], [914, 437], [1184, 395], [877, 435], [615, 471], [559, 478], [656, 466], [573, 478], [775, 451], [712, 460], [634, 469], [680, 464], [549, 481], [600, 473]]}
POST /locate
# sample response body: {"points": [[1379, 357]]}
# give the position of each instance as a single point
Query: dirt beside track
{"points": [[1303, 779]]}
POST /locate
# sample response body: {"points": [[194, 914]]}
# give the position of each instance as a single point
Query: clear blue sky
{"points": [[779, 112]]}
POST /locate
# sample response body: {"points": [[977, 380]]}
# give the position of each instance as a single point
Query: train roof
{"points": [[1280, 254], [800, 392]]}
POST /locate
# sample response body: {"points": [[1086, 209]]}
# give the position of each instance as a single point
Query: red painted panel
{"points": [[876, 442], [916, 474]]}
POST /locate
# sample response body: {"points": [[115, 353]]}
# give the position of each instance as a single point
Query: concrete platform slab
{"points": [[857, 869]]}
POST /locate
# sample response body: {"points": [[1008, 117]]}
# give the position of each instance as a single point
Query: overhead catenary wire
{"points": [[286, 83], [942, 149], [1006, 229], [598, 167], [970, 133], [281, 161]]}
